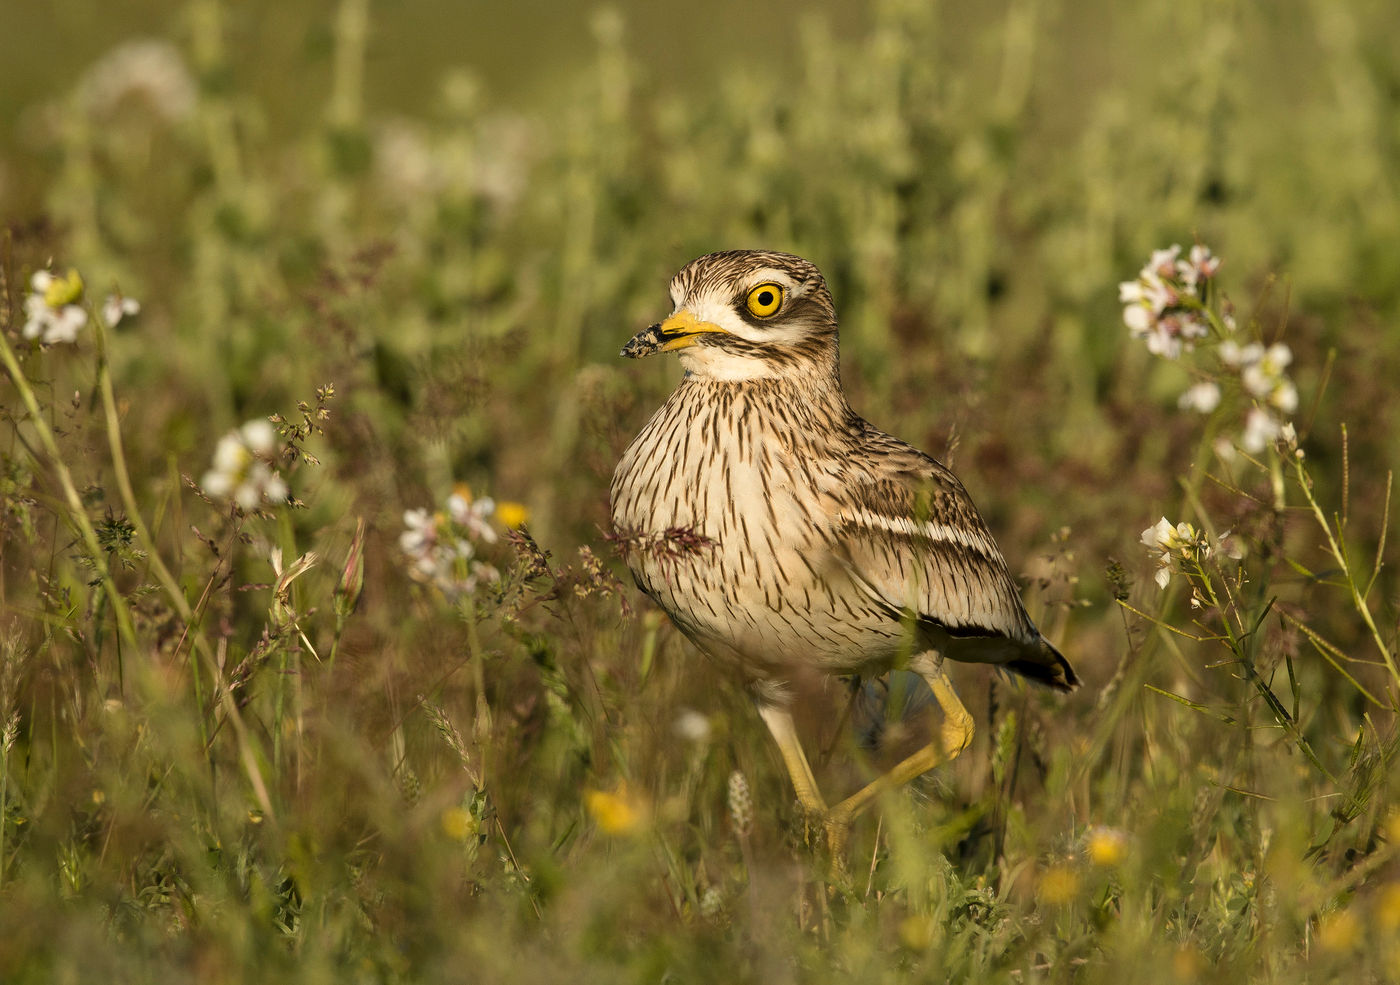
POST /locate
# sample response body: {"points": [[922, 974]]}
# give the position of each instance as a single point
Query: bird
{"points": [[783, 534]]}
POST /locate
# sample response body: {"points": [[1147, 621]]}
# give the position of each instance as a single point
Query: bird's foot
{"points": [[956, 735], [826, 831], [837, 823]]}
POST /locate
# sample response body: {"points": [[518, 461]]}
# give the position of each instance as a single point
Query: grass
{"points": [[222, 766]]}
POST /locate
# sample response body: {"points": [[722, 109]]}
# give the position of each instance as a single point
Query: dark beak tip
{"points": [[644, 343]]}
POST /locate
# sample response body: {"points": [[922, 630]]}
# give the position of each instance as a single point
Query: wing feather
{"points": [[917, 542], [911, 538]]}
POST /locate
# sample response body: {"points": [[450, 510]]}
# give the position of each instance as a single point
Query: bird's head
{"points": [[746, 314]]}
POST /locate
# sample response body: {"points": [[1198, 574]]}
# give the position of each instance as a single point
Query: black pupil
{"points": [[765, 299]]}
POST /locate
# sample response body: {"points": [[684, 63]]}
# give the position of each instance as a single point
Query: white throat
{"points": [[713, 363]]}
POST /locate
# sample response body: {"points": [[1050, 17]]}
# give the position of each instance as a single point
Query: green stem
{"points": [[77, 514], [5, 743], [172, 587], [1358, 601], [123, 476], [347, 78], [481, 728]]}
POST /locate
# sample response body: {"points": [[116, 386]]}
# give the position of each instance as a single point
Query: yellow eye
{"points": [[765, 300]]}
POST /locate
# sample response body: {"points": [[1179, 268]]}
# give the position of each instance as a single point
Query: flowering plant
{"points": [[440, 548]]}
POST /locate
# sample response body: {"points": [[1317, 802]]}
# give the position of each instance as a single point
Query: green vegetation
{"points": [[321, 742]]}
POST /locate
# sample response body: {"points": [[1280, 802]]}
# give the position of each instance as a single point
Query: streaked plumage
{"points": [[829, 544]]}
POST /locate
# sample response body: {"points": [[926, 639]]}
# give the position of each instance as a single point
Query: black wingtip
{"points": [[1052, 669]]}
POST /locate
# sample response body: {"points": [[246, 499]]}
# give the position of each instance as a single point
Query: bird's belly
{"points": [[743, 572]]}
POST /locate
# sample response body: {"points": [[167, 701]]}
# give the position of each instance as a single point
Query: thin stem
{"points": [[124, 489], [77, 514], [481, 727], [6, 740], [1332, 655], [1380, 543], [167, 580], [1358, 601]]}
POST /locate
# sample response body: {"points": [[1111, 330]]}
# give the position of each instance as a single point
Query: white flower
{"points": [[1163, 343], [1202, 397], [502, 160], [1204, 262], [1163, 305], [1158, 537], [1263, 373], [150, 71], [405, 163], [472, 514], [1199, 266], [1262, 369], [1163, 575], [117, 307], [1234, 355], [1284, 396], [1159, 534], [1174, 546], [1231, 546], [692, 726], [419, 535], [260, 436], [1138, 318], [1163, 262], [244, 468], [52, 312], [440, 549], [1277, 357], [1260, 430], [1132, 292]]}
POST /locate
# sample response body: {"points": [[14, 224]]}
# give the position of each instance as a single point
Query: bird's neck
{"points": [[810, 361], [816, 392]]}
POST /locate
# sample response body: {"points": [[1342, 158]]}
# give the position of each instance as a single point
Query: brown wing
{"points": [[911, 537]]}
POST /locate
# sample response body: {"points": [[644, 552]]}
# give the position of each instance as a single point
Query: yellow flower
{"points": [[457, 824], [1187, 964], [1106, 846], [52, 312], [1059, 884], [1338, 931], [60, 291], [512, 514], [1388, 907], [617, 813], [916, 932], [1392, 827]]}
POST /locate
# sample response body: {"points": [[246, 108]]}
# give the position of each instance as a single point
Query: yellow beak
{"points": [[676, 332], [682, 327]]}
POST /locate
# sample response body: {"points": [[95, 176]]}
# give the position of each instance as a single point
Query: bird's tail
{"points": [[1048, 667]]}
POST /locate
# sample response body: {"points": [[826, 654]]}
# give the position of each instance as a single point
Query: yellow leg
{"points": [[838, 827], [954, 737], [780, 723]]}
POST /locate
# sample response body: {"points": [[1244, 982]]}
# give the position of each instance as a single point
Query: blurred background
{"points": [[456, 213], [524, 53]]}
